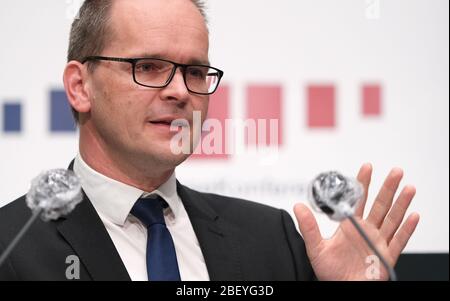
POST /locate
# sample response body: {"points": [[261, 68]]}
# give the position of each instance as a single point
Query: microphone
{"points": [[52, 194], [337, 196]]}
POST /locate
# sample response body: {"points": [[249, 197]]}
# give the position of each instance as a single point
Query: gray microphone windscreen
{"points": [[55, 193], [335, 195]]}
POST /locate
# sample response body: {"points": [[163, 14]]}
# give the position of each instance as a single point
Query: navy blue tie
{"points": [[162, 262]]}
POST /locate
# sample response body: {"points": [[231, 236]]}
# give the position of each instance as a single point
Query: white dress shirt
{"points": [[113, 202]]}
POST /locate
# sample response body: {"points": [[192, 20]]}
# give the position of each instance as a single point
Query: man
{"points": [[135, 67]]}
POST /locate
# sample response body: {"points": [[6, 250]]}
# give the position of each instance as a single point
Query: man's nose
{"points": [[176, 90]]}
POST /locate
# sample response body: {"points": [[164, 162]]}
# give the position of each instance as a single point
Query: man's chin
{"points": [[168, 158]]}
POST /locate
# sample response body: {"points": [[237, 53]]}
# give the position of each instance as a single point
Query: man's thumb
{"points": [[308, 226]]}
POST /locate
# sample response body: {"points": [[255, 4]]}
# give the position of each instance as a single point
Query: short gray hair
{"points": [[90, 31]]}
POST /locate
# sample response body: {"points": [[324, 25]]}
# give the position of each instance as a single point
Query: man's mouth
{"points": [[170, 121]]}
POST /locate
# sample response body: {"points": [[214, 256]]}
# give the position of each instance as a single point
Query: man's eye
{"points": [[197, 73], [147, 67]]}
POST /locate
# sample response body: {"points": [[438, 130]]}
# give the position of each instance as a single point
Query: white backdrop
{"points": [[401, 44]]}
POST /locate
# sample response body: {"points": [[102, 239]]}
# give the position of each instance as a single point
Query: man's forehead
{"points": [[152, 27], [158, 13]]}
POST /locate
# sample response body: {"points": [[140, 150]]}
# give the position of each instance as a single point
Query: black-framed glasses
{"points": [[158, 73]]}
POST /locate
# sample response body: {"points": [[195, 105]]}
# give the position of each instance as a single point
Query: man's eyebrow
{"points": [[199, 62], [192, 61]]}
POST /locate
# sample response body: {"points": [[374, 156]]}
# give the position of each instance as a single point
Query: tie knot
{"points": [[149, 211]]}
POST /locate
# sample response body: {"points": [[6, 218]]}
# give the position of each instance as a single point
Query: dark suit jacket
{"points": [[240, 240]]}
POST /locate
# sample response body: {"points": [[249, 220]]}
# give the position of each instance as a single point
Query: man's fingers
{"points": [[397, 213], [308, 227], [383, 201], [401, 238], [364, 177]]}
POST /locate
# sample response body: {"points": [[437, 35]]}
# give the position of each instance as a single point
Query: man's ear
{"points": [[76, 87]]}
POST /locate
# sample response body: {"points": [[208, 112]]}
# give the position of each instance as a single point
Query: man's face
{"points": [[122, 111]]}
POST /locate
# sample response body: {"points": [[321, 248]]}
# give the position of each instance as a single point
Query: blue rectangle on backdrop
{"points": [[12, 117], [61, 119]]}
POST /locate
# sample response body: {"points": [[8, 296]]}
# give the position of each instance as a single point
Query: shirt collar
{"points": [[168, 191], [114, 199]]}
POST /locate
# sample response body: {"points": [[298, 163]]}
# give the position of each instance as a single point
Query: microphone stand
{"points": [[52, 194], [391, 271], [19, 236]]}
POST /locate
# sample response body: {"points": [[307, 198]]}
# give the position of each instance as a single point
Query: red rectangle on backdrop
{"points": [[264, 102], [219, 109], [371, 100], [321, 106]]}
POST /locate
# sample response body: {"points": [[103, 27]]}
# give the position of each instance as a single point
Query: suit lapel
{"points": [[218, 240], [85, 232]]}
